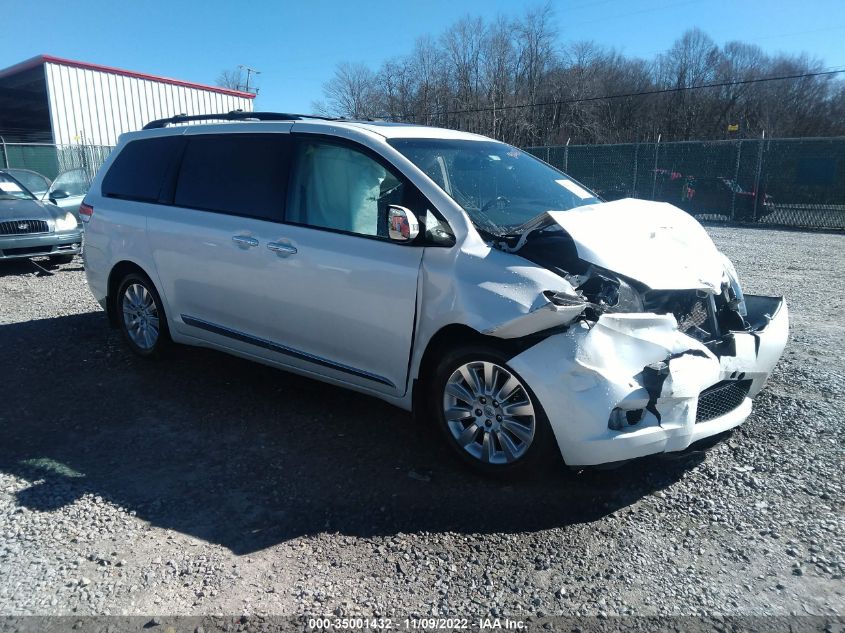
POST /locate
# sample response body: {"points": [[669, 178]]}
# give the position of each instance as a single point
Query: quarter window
{"points": [[240, 174], [340, 188]]}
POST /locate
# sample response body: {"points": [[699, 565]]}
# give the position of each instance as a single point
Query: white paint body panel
{"points": [[580, 376], [205, 274], [375, 306], [653, 242], [348, 299]]}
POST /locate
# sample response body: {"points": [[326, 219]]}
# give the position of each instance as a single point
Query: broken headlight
{"points": [[733, 291], [608, 293], [692, 309]]}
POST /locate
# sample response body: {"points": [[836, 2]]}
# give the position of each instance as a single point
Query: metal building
{"points": [[64, 102]]}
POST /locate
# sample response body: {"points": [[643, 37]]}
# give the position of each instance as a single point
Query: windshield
{"points": [[499, 186], [33, 181], [11, 189]]}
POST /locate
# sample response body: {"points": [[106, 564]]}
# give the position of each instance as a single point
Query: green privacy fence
{"points": [[51, 160], [776, 182]]}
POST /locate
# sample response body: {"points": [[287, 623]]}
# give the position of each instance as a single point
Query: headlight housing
{"points": [[736, 299], [608, 292], [66, 223]]}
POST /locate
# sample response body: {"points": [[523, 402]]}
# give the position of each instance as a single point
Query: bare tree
{"points": [[234, 79], [462, 44], [351, 92], [510, 79], [497, 66], [692, 61], [397, 85], [432, 93]]}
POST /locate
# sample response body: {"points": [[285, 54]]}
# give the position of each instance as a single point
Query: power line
{"points": [[249, 73], [643, 93]]}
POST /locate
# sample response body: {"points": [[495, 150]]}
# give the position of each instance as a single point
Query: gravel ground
{"points": [[207, 484]]}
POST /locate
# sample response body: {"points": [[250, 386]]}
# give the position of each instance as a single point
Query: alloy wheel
{"points": [[140, 316], [489, 412]]}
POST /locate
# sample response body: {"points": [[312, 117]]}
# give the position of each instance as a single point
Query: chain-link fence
{"points": [[783, 182], [52, 160]]}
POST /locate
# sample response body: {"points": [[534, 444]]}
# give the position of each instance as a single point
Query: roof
{"points": [[412, 130], [50, 59], [385, 129]]}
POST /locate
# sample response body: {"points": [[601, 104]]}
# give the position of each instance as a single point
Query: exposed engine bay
{"points": [[703, 313]]}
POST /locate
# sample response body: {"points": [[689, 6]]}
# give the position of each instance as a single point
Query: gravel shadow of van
{"points": [[247, 456]]}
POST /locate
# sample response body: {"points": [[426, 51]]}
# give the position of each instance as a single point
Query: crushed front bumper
{"points": [[642, 363], [54, 243]]}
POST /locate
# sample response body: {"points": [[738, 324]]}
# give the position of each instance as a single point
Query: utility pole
{"points": [[249, 73]]}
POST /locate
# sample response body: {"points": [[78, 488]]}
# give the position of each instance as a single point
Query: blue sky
{"points": [[296, 45]]}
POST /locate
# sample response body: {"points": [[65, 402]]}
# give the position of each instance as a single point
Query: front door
{"points": [[343, 295]]}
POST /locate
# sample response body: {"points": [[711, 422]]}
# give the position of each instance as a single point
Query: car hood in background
{"points": [[651, 242], [27, 210]]}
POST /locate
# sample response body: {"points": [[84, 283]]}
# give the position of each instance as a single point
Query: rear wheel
{"points": [[488, 414], [141, 316]]}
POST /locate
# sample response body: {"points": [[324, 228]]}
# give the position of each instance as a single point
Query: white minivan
{"points": [[444, 272]]}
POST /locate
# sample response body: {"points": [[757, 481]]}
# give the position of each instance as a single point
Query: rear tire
{"points": [[488, 414], [141, 317]]}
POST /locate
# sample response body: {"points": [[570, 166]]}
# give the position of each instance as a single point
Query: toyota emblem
{"points": [[23, 226]]}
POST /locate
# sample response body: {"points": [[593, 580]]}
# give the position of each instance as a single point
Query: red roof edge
{"points": [[50, 59]]}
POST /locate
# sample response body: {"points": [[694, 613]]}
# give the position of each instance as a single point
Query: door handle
{"points": [[244, 240], [282, 249]]}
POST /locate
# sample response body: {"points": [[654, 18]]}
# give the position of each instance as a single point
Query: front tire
{"points": [[488, 414], [141, 317]]}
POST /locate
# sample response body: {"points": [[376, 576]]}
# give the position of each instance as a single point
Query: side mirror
{"points": [[402, 224], [59, 194]]}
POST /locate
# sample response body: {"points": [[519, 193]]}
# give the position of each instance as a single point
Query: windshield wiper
{"points": [[537, 223]]}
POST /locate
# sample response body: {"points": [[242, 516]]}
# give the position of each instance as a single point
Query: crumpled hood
{"points": [[25, 210], [652, 242]]}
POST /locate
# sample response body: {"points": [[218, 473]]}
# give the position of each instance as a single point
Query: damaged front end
{"points": [[660, 348]]}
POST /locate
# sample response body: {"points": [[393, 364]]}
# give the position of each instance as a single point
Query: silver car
{"points": [[31, 228], [449, 274]]}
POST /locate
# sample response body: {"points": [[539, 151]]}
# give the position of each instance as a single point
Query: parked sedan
{"points": [[29, 227], [724, 196], [707, 195]]}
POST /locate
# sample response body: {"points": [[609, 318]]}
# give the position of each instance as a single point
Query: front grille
{"points": [[23, 227], [721, 398]]}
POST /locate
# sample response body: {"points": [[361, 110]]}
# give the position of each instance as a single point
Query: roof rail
{"points": [[234, 115]]}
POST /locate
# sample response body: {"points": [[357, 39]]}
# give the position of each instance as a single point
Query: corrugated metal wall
{"points": [[94, 107]]}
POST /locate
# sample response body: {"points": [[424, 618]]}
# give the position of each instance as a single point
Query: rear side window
{"points": [[138, 171], [240, 174]]}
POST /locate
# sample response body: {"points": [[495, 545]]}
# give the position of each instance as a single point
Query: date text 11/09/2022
{"points": [[417, 624]]}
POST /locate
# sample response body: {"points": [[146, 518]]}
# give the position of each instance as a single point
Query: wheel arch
{"points": [[116, 275], [449, 336]]}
